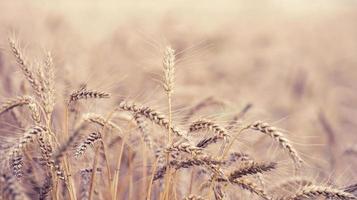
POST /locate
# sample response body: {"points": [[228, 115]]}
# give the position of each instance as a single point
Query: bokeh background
{"points": [[294, 61]]}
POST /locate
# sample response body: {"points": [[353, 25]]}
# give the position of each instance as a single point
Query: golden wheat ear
{"points": [[90, 140], [315, 191], [152, 115], [251, 168], [274, 133], [84, 93], [206, 125], [251, 187], [26, 70], [16, 153], [187, 163], [101, 121], [351, 188]]}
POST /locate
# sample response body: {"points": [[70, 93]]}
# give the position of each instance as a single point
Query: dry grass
{"points": [[194, 124]]}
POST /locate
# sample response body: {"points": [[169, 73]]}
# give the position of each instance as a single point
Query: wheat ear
{"points": [[46, 76], [279, 137], [219, 132], [184, 147], [84, 93], [101, 121], [151, 115], [251, 168], [351, 188], [238, 116], [200, 105], [195, 161], [89, 140], [314, 191], [251, 187], [144, 130], [16, 155], [34, 82]]}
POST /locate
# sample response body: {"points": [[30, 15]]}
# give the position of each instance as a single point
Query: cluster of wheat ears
{"points": [[93, 156]]}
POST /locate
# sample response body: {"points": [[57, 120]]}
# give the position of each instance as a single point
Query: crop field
{"points": [[178, 100]]}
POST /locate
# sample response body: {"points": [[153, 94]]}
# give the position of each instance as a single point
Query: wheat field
{"points": [[176, 100]]}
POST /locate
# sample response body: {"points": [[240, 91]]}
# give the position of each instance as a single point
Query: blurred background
{"points": [[294, 61]]}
